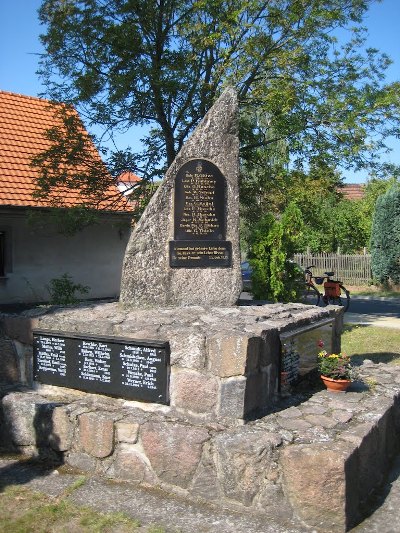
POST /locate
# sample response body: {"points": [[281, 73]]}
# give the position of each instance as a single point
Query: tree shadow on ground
{"points": [[20, 468], [376, 357]]}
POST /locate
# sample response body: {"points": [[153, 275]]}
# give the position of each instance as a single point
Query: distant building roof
{"points": [[128, 177], [24, 121], [352, 191]]}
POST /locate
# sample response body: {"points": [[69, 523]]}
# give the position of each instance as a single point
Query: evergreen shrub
{"points": [[385, 238]]}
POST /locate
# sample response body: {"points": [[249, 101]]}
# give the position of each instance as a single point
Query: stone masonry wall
{"points": [[318, 457], [224, 361]]}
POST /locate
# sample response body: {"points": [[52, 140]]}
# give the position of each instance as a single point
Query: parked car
{"points": [[246, 275]]}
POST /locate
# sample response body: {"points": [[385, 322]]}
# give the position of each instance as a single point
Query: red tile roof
{"points": [[128, 177], [352, 191], [23, 123]]}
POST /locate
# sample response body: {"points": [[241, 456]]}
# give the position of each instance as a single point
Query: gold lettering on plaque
{"points": [[199, 215]]}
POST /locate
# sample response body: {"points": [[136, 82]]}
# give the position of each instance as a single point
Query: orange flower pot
{"points": [[336, 385]]}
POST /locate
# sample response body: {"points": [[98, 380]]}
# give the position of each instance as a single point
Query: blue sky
{"points": [[20, 46]]}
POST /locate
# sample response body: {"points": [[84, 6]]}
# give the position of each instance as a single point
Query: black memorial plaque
{"points": [[200, 217], [192, 254], [125, 368]]}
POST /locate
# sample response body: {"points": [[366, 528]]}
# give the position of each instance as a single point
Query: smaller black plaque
{"points": [[194, 254], [125, 368]]}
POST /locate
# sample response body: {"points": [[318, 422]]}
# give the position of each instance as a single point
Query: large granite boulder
{"points": [[148, 280]]}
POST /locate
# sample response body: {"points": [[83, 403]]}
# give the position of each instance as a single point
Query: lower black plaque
{"points": [[200, 254], [125, 368]]}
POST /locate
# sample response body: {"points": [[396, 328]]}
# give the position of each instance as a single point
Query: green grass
{"points": [[25, 511], [381, 345], [374, 291]]}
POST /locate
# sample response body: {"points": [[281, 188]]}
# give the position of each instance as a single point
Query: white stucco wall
{"points": [[92, 257]]}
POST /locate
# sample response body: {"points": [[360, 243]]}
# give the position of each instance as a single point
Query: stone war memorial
{"points": [[177, 387]]}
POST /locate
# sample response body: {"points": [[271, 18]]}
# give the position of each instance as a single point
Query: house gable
{"points": [[24, 121]]}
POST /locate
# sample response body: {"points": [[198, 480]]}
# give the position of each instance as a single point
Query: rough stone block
{"points": [[22, 417], [173, 449], [130, 465], [245, 458], [9, 364], [232, 354], [194, 391], [127, 432], [81, 461], [320, 481], [232, 398], [270, 348], [19, 328], [205, 481], [96, 434], [147, 278], [188, 347], [62, 430]]}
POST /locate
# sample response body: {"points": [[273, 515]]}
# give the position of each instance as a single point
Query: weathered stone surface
{"points": [[174, 450], [295, 424], [320, 480], [147, 278], [23, 421], [62, 430], [245, 458], [96, 434], [188, 346], [292, 412], [19, 327], [342, 416], [321, 420], [130, 465], [232, 355], [81, 461], [194, 391], [232, 397], [9, 364], [127, 432], [205, 481]]}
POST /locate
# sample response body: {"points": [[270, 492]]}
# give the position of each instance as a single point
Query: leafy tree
{"points": [[374, 188], [161, 64], [272, 244], [385, 240]]}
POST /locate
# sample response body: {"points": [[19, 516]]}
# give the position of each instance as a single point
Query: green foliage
{"points": [[385, 239], [335, 366], [127, 63], [66, 221], [63, 290], [272, 244]]}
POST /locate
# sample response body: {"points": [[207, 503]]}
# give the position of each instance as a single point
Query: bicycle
{"points": [[335, 293]]}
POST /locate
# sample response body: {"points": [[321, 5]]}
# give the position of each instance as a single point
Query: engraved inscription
{"points": [[51, 356], [199, 201], [199, 215], [137, 370], [138, 367], [191, 254], [94, 361], [300, 349]]}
